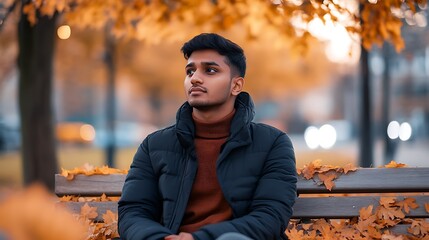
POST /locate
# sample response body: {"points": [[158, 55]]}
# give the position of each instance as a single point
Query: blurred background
{"points": [[314, 97]]}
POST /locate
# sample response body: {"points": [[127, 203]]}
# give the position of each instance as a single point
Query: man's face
{"points": [[208, 83]]}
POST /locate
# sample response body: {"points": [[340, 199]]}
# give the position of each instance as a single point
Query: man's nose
{"points": [[196, 78]]}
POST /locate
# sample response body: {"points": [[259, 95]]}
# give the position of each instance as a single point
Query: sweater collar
{"points": [[213, 130], [244, 113]]}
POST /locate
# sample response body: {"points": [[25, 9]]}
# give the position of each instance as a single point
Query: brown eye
{"points": [[211, 70], [189, 72]]}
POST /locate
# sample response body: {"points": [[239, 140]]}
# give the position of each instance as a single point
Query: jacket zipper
{"points": [[182, 179]]}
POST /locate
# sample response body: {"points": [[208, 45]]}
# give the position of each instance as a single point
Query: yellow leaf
{"points": [[393, 164]]}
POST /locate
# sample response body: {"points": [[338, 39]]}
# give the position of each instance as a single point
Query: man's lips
{"points": [[197, 89]]}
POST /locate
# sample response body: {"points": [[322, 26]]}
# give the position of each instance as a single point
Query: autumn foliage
{"points": [[89, 170], [324, 174], [157, 20], [372, 223]]}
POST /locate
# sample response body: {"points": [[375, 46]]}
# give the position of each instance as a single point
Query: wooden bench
{"points": [[352, 191]]}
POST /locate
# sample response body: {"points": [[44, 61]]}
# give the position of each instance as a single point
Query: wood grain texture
{"points": [[367, 180]]}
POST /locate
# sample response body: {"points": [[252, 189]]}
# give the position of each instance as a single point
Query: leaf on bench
{"points": [[325, 173], [408, 203], [328, 179], [394, 164], [88, 212], [89, 170]]}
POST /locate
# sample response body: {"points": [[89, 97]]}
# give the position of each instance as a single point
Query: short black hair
{"points": [[225, 47]]}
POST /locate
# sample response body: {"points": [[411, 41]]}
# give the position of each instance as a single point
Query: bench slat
{"points": [[347, 207], [321, 207], [367, 180], [94, 185], [373, 180]]}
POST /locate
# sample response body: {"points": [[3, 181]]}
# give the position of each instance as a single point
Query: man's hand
{"points": [[181, 236]]}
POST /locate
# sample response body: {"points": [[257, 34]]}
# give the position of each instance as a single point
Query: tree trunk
{"points": [[110, 49], [389, 144], [365, 134], [36, 47], [366, 139]]}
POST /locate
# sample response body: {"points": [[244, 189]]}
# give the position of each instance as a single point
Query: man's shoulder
{"points": [[262, 128], [163, 132]]}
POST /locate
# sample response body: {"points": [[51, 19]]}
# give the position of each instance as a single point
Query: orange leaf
{"points": [[387, 201], [308, 171], [349, 168], [408, 203], [66, 174], [104, 198], [389, 213], [109, 217], [324, 227], [365, 213], [373, 232], [88, 212], [419, 227], [67, 198], [327, 179], [295, 234], [393, 164], [427, 207]]}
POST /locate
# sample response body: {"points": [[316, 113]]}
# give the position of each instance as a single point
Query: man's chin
{"points": [[199, 105]]}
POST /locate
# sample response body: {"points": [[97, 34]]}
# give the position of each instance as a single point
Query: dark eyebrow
{"points": [[192, 64]]}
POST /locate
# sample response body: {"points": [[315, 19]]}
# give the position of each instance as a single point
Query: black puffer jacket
{"points": [[256, 171]]}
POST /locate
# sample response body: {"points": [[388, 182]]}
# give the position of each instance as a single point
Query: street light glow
{"points": [[311, 136], [405, 131], [64, 32], [393, 130], [328, 135], [325, 136]]}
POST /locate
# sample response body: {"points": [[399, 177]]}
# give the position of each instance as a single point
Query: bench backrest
{"points": [[352, 191]]}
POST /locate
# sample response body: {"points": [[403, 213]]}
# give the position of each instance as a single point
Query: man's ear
{"points": [[237, 85]]}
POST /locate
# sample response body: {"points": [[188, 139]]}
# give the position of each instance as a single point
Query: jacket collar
{"points": [[240, 131]]}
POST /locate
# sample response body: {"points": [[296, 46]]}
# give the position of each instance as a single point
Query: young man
{"points": [[214, 171]]}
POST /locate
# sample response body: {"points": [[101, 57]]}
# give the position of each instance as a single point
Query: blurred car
{"points": [[127, 134], [75, 133], [10, 136]]}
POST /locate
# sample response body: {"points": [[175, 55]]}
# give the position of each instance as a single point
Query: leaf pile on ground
{"points": [[88, 170]]}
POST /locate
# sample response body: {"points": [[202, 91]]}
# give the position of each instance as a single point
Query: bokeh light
{"points": [[64, 32], [328, 135], [405, 131], [311, 136]]}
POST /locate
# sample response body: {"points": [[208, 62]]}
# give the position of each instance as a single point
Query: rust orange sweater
{"points": [[206, 203]]}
